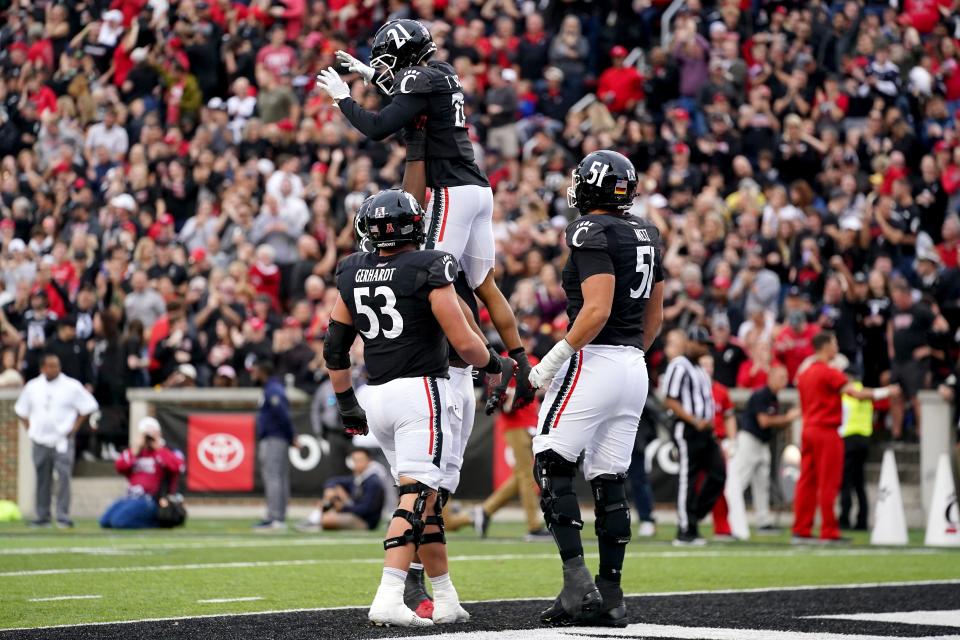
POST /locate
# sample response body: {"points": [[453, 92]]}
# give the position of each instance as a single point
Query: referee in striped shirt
{"points": [[688, 394]]}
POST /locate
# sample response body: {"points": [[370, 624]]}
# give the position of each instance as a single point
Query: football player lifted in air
{"points": [[402, 302], [598, 383]]}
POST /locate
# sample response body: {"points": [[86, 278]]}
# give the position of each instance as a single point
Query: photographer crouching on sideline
{"points": [[153, 471], [354, 501]]}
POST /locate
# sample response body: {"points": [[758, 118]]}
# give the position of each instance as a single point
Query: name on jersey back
{"points": [[374, 275]]}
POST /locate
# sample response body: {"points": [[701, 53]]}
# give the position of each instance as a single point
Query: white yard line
{"points": [[460, 559], [173, 546], [223, 600], [664, 594], [58, 598]]}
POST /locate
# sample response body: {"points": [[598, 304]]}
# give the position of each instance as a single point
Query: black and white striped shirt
{"points": [[690, 385]]}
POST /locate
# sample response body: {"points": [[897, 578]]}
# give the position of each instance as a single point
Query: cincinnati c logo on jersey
{"points": [[449, 269], [409, 76], [582, 228]]}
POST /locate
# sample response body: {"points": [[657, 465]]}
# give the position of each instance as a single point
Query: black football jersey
{"points": [[388, 299], [629, 249], [450, 159]]}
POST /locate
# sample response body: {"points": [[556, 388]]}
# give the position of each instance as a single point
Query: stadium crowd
{"points": [[175, 193]]}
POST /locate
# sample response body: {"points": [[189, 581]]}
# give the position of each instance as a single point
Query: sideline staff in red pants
{"points": [[821, 463]]}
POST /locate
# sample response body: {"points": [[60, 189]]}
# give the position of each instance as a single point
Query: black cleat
{"points": [[415, 594], [579, 602], [614, 611]]}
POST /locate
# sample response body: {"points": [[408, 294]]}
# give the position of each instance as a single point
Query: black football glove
{"points": [[506, 368], [352, 415], [415, 137], [525, 391]]}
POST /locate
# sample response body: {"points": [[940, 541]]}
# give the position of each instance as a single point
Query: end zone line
{"points": [[661, 594], [58, 598]]}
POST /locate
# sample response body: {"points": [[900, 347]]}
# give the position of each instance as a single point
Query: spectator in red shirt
{"points": [[753, 372], [42, 96], [794, 342], [277, 58], [821, 386], [620, 87], [265, 275], [949, 248], [153, 471]]}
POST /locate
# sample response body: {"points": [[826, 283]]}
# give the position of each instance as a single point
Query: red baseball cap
{"points": [[165, 219], [681, 148], [256, 323], [285, 125], [680, 113], [618, 52], [198, 255], [7, 223]]}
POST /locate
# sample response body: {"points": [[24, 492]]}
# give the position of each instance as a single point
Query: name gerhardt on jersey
{"points": [[388, 299], [625, 247]]}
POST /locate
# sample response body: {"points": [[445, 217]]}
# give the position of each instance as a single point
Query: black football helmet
{"points": [[603, 180], [397, 45], [359, 226], [392, 217]]}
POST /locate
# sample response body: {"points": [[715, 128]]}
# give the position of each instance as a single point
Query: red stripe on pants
{"points": [[426, 387], [556, 423], [443, 215], [821, 474]]}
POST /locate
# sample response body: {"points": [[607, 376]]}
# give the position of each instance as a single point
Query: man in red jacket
{"points": [[821, 386], [620, 87], [150, 467]]}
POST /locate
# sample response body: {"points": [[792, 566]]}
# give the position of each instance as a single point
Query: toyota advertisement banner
{"points": [[221, 451]]}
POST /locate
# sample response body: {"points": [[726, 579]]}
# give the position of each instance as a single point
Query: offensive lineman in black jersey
{"points": [[402, 302], [461, 382], [598, 383], [427, 93]]}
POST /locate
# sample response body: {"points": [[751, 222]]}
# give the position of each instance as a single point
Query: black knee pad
{"points": [[413, 535], [437, 537], [558, 501], [611, 508], [443, 497]]}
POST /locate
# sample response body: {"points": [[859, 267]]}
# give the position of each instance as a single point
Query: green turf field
{"points": [[155, 574]]}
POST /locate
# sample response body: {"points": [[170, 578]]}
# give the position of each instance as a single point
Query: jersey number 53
{"points": [[387, 311]]}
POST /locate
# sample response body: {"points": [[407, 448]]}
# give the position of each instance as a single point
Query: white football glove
{"points": [[543, 373], [353, 65], [729, 446], [331, 82]]}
